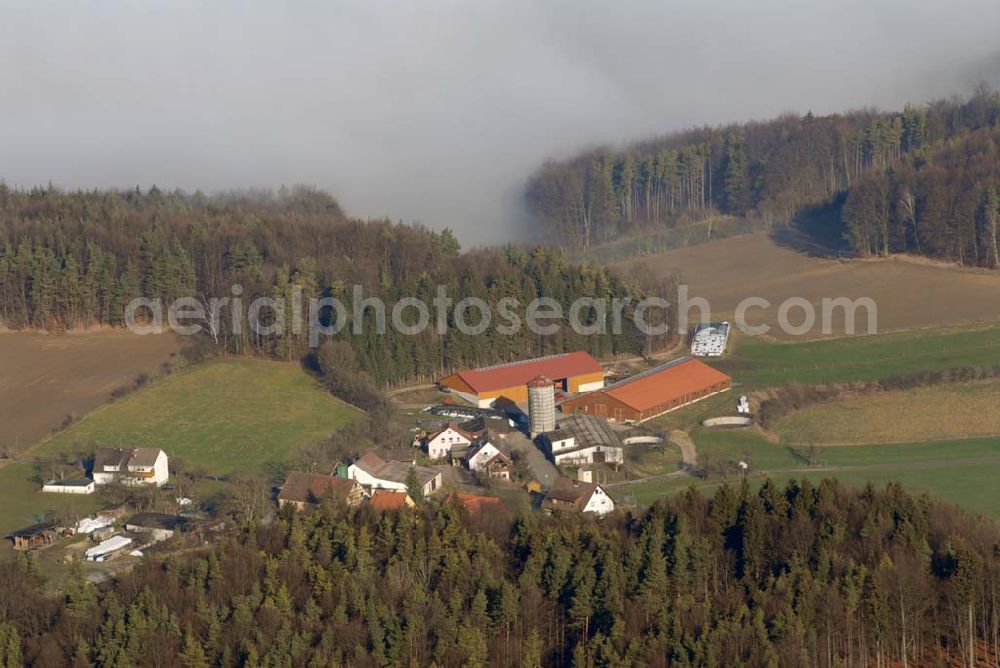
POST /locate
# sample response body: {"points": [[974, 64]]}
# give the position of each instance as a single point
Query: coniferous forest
{"points": [[924, 180], [74, 259], [794, 576]]}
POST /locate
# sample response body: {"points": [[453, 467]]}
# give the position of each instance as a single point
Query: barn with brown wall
{"points": [[651, 393]]}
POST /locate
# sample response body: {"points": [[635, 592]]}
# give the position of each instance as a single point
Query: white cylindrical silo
{"points": [[541, 406]]}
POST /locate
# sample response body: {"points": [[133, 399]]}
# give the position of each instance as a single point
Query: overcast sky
{"points": [[436, 111]]}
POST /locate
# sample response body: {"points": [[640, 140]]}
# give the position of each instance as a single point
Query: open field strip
{"points": [[46, 377], [954, 410], [758, 363], [963, 471], [727, 272]]}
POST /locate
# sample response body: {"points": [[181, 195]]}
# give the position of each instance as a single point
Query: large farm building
{"points": [[572, 372], [650, 393]]}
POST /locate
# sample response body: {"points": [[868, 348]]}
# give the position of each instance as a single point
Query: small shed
{"points": [[75, 486], [158, 525], [113, 512], [34, 537]]}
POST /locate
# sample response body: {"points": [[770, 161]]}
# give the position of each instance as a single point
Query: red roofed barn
{"points": [[572, 372], [652, 392]]}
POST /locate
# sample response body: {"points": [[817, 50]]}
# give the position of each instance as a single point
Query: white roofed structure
{"points": [[710, 340], [102, 551]]}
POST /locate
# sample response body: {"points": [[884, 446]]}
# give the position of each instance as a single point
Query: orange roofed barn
{"points": [[652, 392], [572, 372]]}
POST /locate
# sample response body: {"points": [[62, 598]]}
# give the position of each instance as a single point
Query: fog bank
{"points": [[437, 111]]}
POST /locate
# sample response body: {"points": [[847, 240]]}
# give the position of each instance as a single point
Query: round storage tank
{"points": [[541, 406]]}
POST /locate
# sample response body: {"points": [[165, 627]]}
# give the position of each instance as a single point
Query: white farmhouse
{"points": [[135, 466], [440, 443], [373, 473], [486, 456], [567, 494]]}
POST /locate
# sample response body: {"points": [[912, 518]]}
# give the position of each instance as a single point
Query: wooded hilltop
{"points": [[75, 259], [797, 576], [924, 180]]}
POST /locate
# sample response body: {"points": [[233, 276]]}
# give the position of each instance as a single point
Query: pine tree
{"points": [[193, 654], [531, 651]]}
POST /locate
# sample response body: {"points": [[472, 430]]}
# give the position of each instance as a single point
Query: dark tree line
{"points": [[771, 169], [71, 259], [943, 202], [797, 576]]}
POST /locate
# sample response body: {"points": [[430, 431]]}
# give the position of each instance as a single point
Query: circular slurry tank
{"points": [[643, 440], [729, 421]]}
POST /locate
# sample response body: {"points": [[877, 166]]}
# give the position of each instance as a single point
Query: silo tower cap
{"points": [[540, 381]]}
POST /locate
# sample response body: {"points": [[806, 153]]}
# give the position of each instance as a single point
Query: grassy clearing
{"points": [[758, 363], [653, 459], [747, 445], [962, 472], [223, 417], [927, 413], [22, 501]]}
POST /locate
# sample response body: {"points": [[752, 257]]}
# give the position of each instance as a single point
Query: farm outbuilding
{"points": [[34, 537], [157, 525], [570, 372], [309, 489], [653, 392], [583, 439], [76, 486]]}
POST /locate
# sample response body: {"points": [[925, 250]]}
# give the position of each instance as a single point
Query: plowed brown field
{"points": [[909, 293], [46, 377]]}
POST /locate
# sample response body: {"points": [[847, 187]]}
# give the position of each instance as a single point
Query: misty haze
{"points": [[436, 112]]}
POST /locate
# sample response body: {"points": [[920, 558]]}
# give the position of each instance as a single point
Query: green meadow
{"points": [[224, 417], [758, 363]]}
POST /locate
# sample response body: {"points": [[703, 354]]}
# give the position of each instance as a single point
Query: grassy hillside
{"points": [[222, 417], [758, 363]]}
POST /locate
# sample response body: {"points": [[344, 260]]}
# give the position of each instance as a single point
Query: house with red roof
{"points": [[570, 372], [384, 499], [479, 505], [650, 393]]}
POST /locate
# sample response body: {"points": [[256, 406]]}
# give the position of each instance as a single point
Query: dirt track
{"points": [[909, 293], [689, 454], [45, 377]]}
